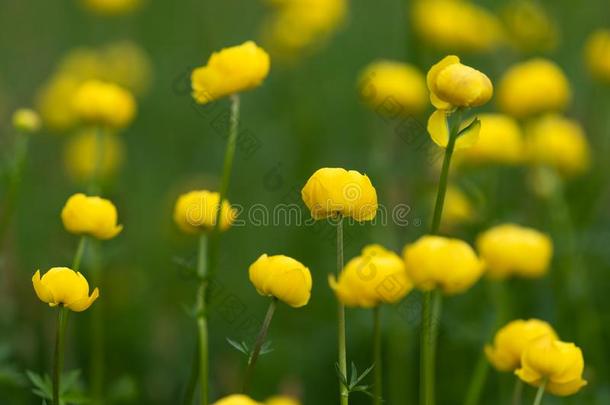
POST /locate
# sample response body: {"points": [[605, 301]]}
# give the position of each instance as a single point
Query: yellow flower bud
{"points": [[375, 277], [64, 286], [80, 155], [236, 399], [439, 262], [281, 277], [335, 191], [529, 27], [453, 84], [105, 104], [282, 400], [512, 249], [399, 85], [597, 54], [512, 339], [457, 209], [54, 102], [438, 128], [533, 87], [229, 71], [93, 216], [558, 363], [559, 143], [26, 120], [196, 212], [111, 7]]}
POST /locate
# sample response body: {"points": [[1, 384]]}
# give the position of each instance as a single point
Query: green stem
{"points": [[377, 357], [80, 251], [477, 383], [189, 392], [540, 393], [202, 322], [96, 177], [58, 360], [342, 358], [260, 340], [97, 329], [518, 391], [14, 182]]}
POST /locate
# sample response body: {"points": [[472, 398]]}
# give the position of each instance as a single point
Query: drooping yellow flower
{"points": [[529, 27], [533, 87], [558, 363], [93, 216], [81, 153], [559, 143], [439, 262], [512, 249], [54, 102], [438, 128], [453, 84], [229, 71], [375, 277], [236, 399], [456, 25], [196, 212], [597, 54], [64, 286], [105, 104], [111, 7], [281, 277], [512, 339], [282, 400], [26, 120], [457, 209], [335, 191], [393, 87]]}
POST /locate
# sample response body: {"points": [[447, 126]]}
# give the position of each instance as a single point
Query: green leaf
{"points": [[240, 347], [266, 348]]}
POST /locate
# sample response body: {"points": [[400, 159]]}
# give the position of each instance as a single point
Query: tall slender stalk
{"points": [[80, 252], [517, 392], [58, 357], [377, 357], [473, 395], [14, 182], [202, 322], [540, 393], [95, 182], [342, 357]]}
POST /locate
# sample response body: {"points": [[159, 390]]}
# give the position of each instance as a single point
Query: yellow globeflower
{"points": [[236, 399], [375, 277], [529, 27], [282, 400], [399, 85], [54, 102], [196, 212], [281, 277], [64, 286], [597, 54], [93, 216], [80, 155], [453, 84], [229, 71], [512, 339], [533, 87], [335, 191], [111, 7], [559, 143], [457, 209], [439, 262], [26, 120], [512, 249], [557, 363], [106, 104]]}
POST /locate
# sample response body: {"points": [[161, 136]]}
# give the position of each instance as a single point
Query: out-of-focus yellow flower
{"points": [[196, 212], [282, 400], [533, 87], [439, 262], [500, 141], [512, 249], [558, 363], [559, 143], [26, 120], [111, 7], [457, 209], [54, 102], [82, 63], [453, 84], [529, 27], [81, 154], [438, 128], [456, 25], [64, 286], [512, 339], [106, 104], [229, 71], [335, 191], [281, 277], [597, 54], [375, 277], [399, 85], [93, 216], [128, 65], [236, 399]]}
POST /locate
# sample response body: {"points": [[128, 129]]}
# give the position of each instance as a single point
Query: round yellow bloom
{"points": [[281, 277], [102, 103], [375, 277], [456, 25], [26, 120], [559, 143], [111, 7], [236, 399], [559, 363], [80, 155], [500, 141], [529, 27], [400, 85], [282, 400], [457, 209], [438, 128], [597, 54], [64, 286], [533, 87], [512, 339], [512, 249], [232, 70], [93, 216], [453, 84], [196, 212], [335, 191], [54, 102], [439, 262]]}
